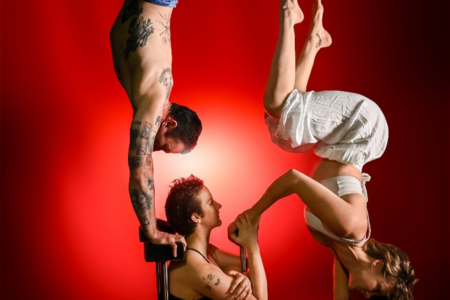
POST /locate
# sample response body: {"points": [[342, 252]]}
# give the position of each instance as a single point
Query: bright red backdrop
{"points": [[68, 229]]}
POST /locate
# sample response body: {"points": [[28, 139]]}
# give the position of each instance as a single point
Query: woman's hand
{"points": [[244, 232], [241, 286]]}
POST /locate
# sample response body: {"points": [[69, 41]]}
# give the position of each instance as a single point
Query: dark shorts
{"points": [[167, 3]]}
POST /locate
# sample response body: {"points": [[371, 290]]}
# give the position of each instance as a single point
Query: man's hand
{"points": [[164, 238], [241, 286]]}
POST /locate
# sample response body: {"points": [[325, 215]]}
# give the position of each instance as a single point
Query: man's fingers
{"points": [[183, 241], [174, 248]]}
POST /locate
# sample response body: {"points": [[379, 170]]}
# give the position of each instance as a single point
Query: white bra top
{"points": [[341, 185]]}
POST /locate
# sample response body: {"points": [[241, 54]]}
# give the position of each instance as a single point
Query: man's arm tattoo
{"points": [[144, 139], [141, 201], [166, 28], [166, 79], [134, 134], [135, 162]]}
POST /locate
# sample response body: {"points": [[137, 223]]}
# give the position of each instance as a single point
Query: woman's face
{"points": [[371, 282], [210, 208]]}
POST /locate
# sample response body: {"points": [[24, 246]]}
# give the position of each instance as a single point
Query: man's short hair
{"points": [[188, 127], [181, 203]]}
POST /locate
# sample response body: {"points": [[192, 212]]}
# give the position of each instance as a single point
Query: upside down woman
{"points": [[346, 130]]}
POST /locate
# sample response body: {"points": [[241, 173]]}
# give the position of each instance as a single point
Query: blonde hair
{"points": [[396, 268]]}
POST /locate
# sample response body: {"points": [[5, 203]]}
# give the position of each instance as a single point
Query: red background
{"points": [[68, 229]]}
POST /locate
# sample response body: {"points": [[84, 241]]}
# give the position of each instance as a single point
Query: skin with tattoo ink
{"points": [[165, 23]]}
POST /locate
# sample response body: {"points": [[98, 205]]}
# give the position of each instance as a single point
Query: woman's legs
{"points": [[282, 72], [284, 76], [317, 38]]}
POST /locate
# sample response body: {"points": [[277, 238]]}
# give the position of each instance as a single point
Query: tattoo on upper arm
{"points": [[166, 79], [211, 279], [166, 28], [141, 201], [319, 43], [139, 31]]}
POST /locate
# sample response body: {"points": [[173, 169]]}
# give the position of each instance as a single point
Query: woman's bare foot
{"points": [[292, 11], [317, 33]]}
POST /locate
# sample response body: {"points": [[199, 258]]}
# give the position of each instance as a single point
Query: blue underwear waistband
{"points": [[166, 3]]}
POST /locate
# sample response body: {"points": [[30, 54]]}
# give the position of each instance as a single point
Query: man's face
{"points": [[168, 144], [165, 142]]}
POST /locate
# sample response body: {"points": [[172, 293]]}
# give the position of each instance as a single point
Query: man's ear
{"points": [[196, 218], [169, 122]]}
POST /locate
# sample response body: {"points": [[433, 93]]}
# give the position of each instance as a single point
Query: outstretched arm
{"points": [[145, 124]]}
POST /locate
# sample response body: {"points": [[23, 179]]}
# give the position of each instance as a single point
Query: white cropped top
{"points": [[341, 185]]}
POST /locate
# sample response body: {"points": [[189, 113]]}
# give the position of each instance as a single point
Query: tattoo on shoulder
{"points": [[141, 201], [208, 287], [165, 23], [139, 31], [218, 281], [166, 79]]}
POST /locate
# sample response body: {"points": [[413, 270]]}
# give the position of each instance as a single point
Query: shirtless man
{"points": [[142, 55]]}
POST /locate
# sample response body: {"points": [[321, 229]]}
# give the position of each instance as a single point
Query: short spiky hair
{"points": [[181, 204], [396, 268], [188, 127]]}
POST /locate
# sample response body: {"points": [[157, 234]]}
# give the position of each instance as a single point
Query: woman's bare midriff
{"points": [[329, 168]]}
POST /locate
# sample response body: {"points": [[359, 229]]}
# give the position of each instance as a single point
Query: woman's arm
{"points": [[341, 216], [209, 280], [340, 282]]}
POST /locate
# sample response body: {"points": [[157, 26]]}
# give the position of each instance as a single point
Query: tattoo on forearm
{"points": [[139, 31], [166, 28], [150, 184], [135, 162], [166, 79], [144, 139], [208, 287], [144, 220], [130, 10], [217, 282], [141, 201], [319, 43], [134, 134]]}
